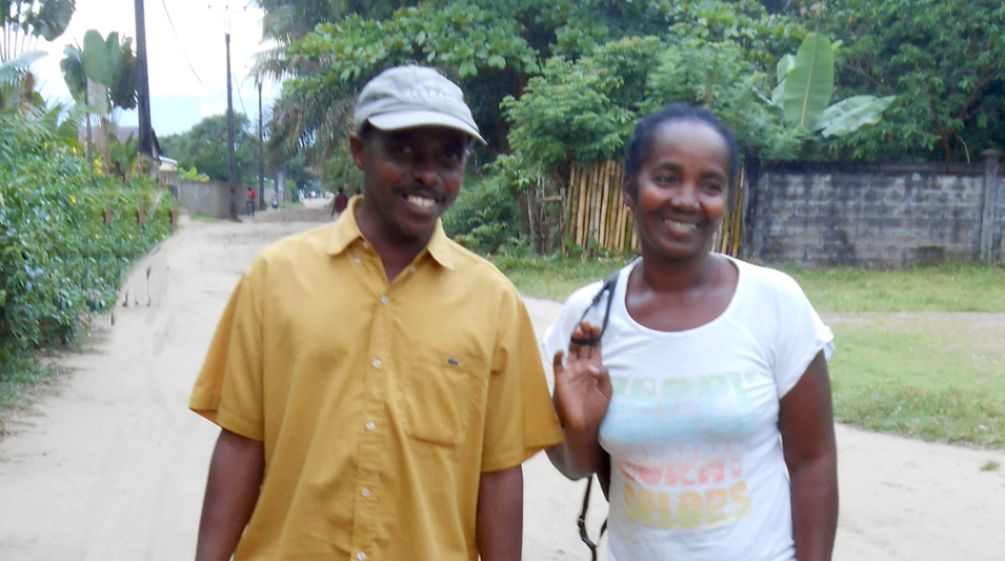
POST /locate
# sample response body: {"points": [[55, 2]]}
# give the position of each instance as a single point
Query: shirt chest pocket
{"points": [[438, 395]]}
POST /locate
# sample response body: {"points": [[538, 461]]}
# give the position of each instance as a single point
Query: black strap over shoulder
{"points": [[610, 283], [604, 474]]}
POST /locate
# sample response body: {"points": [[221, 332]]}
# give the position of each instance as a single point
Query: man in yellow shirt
{"points": [[377, 386]]}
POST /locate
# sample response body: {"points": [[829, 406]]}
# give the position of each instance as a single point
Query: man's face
{"points": [[411, 177]]}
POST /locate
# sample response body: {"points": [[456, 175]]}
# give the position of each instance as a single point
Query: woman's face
{"points": [[682, 190]]}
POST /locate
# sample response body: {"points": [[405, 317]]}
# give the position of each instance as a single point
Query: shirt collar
{"points": [[345, 231]]}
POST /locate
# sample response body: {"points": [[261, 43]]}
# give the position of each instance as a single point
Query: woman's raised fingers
{"points": [[556, 363], [583, 343]]}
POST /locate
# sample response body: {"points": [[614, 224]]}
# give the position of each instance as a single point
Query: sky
{"points": [[186, 61]]}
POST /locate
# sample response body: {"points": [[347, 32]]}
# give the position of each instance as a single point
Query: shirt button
{"points": [[384, 299], [376, 363], [356, 260], [371, 425], [412, 269], [360, 555], [365, 492]]}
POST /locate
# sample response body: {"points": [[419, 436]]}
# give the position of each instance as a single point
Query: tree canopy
{"points": [[567, 79], [205, 148], [946, 63], [492, 48]]}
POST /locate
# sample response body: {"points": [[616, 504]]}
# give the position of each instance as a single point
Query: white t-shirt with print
{"points": [[697, 466]]}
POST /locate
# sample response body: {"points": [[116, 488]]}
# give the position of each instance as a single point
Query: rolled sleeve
{"points": [[520, 418], [228, 390]]}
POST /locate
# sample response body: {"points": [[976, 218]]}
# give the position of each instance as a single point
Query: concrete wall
{"points": [[878, 216], [213, 199]]}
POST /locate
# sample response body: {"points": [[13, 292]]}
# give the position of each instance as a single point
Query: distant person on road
{"points": [[250, 204], [694, 382], [377, 385], [340, 202]]}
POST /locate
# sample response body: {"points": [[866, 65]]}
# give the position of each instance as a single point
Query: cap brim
{"points": [[412, 119]]}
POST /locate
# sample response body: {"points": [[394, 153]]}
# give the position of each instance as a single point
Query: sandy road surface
{"points": [[111, 466]]}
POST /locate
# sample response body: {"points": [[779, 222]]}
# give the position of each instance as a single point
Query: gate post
{"points": [[989, 206]]}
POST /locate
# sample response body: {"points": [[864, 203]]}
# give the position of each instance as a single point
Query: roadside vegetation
{"points": [[68, 235], [74, 215], [919, 352]]}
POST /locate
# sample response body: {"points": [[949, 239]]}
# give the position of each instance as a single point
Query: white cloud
{"points": [[213, 108]]}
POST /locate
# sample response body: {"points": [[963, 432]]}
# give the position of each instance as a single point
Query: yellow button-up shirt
{"points": [[379, 404]]}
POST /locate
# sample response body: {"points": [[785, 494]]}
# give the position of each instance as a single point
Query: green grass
{"points": [[892, 375], [949, 287], [206, 218], [18, 378], [554, 278], [921, 375]]}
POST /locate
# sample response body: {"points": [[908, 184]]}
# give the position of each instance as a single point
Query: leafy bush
{"points": [[585, 109], [486, 216], [59, 259]]}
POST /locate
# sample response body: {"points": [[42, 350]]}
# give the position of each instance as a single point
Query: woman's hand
{"points": [[582, 387]]}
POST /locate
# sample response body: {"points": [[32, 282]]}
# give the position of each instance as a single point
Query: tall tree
{"points": [[493, 47], [23, 21], [205, 148], [948, 62], [106, 62], [101, 76], [287, 21], [303, 125]]}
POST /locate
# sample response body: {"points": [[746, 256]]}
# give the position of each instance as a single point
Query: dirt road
{"points": [[109, 465]]}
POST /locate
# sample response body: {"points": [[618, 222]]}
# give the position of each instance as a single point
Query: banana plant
{"points": [[101, 76], [105, 62], [21, 21], [17, 84], [804, 90]]}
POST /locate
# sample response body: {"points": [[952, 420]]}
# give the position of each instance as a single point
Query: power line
{"points": [[181, 44], [240, 97]]}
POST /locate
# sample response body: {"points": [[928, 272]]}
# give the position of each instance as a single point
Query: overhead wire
{"points": [[227, 22], [181, 44], [240, 97]]}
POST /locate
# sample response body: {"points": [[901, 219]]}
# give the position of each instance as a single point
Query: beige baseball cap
{"points": [[413, 96]]}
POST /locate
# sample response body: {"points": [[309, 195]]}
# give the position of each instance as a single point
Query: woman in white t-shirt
{"points": [[708, 385]]}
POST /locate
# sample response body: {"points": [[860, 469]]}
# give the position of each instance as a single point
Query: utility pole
{"points": [[261, 153], [231, 165], [143, 84]]}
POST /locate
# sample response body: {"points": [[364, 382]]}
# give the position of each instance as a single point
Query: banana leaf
{"points": [[785, 65], [851, 114], [810, 83]]}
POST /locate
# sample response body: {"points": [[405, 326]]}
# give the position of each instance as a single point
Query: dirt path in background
{"points": [[972, 331], [111, 466]]}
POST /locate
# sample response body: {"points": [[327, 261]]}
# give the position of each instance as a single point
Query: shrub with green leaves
{"points": [[59, 260], [487, 215]]}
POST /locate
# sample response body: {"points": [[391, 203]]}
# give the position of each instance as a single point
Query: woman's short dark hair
{"points": [[642, 141]]}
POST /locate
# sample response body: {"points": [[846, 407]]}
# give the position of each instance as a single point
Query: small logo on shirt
{"points": [[453, 361]]}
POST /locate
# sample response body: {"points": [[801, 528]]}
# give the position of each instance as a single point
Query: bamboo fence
{"points": [[596, 216]]}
